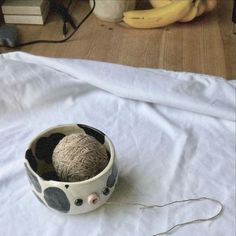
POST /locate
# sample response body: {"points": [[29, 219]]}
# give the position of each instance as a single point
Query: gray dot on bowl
{"points": [[112, 178], [33, 180], [57, 199]]}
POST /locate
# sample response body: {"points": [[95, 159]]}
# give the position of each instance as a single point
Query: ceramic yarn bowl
{"points": [[68, 197]]}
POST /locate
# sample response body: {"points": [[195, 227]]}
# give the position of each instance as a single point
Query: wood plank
{"points": [[205, 45]]}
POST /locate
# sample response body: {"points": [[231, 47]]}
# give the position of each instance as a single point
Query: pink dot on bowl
{"points": [[93, 199]]}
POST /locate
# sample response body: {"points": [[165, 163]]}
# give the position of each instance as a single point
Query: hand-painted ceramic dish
{"points": [[68, 197]]}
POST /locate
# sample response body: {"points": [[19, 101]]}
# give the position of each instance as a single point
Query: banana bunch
{"points": [[166, 12]]}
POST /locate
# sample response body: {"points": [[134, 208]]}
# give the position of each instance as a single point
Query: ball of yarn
{"points": [[78, 157]]}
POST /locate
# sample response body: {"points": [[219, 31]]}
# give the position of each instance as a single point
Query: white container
{"points": [[68, 197], [112, 10]]}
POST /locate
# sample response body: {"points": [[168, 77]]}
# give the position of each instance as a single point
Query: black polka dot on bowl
{"points": [[106, 191], [97, 134], [55, 138], [50, 176], [46, 145], [78, 202], [33, 180], [43, 149], [108, 154], [31, 159]]}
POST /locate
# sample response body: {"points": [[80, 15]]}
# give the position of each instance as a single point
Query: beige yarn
{"points": [[79, 157]]}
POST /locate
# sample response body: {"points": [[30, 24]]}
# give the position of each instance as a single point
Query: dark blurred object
{"points": [[234, 17], [8, 35], [1, 15], [63, 12]]}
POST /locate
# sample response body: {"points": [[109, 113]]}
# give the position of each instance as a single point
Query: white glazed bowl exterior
{"points": [[70, 197]]}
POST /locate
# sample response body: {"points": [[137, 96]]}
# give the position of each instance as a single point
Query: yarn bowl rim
{"points": [[78, 183]]}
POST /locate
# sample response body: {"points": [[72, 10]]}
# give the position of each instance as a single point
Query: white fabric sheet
{"points": [[174, 135]]}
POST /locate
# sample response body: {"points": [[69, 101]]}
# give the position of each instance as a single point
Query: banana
{"points": [[158, 17], [159, 3], [192, 13], [201, 7], [210, 5]]}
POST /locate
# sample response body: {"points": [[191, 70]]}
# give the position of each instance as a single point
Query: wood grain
{"points": [[206, 45]]}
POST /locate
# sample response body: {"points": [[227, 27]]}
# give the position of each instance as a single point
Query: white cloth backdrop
{"points": [[174, 134]]}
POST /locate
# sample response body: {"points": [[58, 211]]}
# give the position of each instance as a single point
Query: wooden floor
{"points": [[206, 45]]}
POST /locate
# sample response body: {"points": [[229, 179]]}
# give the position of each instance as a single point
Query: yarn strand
{"points": [[143, 206]]}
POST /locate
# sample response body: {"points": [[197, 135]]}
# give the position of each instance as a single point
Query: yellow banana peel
{"points": [[211, 5], [159, 3], [192, 13], [158, 17], [201, 7]]}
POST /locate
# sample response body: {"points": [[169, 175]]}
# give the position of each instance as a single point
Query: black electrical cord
{"points": [[57, 41], [234, 17], [69, 4], [63, 12]]}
